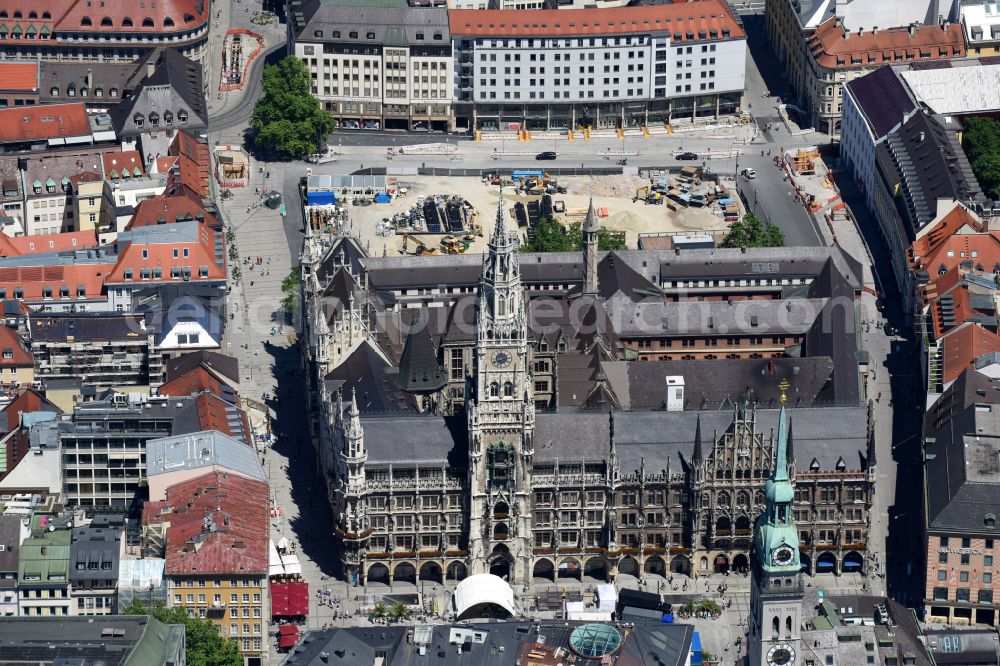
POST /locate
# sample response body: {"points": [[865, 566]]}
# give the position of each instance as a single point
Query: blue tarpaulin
{"points": [[320, 198], [382, 197], [695, 649]]}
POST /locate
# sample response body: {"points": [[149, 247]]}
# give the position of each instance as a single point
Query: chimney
{"points": [[90, 78], [922, 137], [675, 393], [150, 67], [912, 29]]}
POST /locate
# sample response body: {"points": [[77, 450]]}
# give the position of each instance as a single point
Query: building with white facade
{"points": [[596, 68], [981, 23], [377, 67]]}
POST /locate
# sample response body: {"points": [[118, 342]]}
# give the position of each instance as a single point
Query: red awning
{"points": [[288, 639], [289, 599]]}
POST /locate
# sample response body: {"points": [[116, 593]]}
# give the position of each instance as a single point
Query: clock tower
{"points": [[776, 572], [501, 413]]}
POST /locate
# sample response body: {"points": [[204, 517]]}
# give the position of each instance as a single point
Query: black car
{"points": [[547, 155], [687, 156]]}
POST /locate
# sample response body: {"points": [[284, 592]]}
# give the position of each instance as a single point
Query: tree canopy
{"points": [[551, 236], [203, 645], [288, 120], [981, 141], [752, 232]]}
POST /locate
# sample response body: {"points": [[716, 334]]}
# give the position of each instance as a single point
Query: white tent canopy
{"points": [[607, 597], [483, 595]]}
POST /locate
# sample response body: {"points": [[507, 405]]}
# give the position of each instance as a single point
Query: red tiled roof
{"points": [[833, 47], [33, 280], [927, 245], [165, 209], [213, 414], [194, 381], [12, 343], [193, 162], [27, 401], [962, 345], [160, 255], [48, 121], [89, 16], [118, 164], [69, 240], [164, 162], [686, 21], [19, 76], [237, 507]]}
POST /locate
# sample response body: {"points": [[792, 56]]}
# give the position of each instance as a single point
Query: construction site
{"points": [[453, 215]]}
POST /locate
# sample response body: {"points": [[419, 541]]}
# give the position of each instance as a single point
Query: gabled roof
{"points": [[203, 245], [11, 246], [217, 525], [193, 382], [14, 352], [226, 368], [686, 22], [122, 165], [174, 87], [27, 401], [882, 99], [193, 162], [19, 76], [932, 239], [184, 204], [38, 123], [210, 412], [833, 47], [33, 280], [962, 345]]}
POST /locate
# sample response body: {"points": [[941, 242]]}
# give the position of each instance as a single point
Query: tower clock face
{"points": [[781, 655], [782, 555], [501, 359]]}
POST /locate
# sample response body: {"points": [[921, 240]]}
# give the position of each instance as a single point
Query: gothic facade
{"points": [[499, 485]]}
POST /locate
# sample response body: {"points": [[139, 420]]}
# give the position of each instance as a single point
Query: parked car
{"points": [[547, 155], [686, 156], [749, 173]]}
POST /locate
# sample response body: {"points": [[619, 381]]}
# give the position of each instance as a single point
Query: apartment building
{"points": [[214, 531], [981, 22], [12, 532], [95, 553], [822, 45], [596, 68], [378, 67], [83, 30], [43, 575]]}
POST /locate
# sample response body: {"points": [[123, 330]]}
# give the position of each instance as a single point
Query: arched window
{"points": [[742, 498], [86, 21], [788, 627], [17, 13], [106, 22], [508, 389], [47, 15], [188, 18], [127, 22], [775, 627], [494, 390], [723, 499], [98, 92], [168, 22], [148, 23], [32, 14], [3, 13]]}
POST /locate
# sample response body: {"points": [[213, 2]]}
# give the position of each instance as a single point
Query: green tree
{"points": [[288, 120], [552, 236], [379, 612], [399, 612], [981, 141], [203, 645], [290, 288], [752, 232]]}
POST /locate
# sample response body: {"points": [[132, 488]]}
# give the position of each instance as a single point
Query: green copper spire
{"points": [[776, 542]]}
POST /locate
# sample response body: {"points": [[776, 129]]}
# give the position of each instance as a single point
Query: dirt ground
{"points": [[614, 193]]}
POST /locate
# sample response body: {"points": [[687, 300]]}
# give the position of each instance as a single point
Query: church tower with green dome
{"points": [[776, 589]]}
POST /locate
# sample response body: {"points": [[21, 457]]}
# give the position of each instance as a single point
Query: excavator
{"points": [[421, 250]]}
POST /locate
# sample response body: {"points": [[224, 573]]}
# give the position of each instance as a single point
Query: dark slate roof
{"points": [[826, 435], [962, 479], [176, 85], [615, 276], [419, 370], [57, 327], [10, 539], [708, 383], [69, 75], [833, 334], [226, 366], [366, 373], [882, 98], [416, 438], [95, 553], [392, 26], [924, 158]]}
